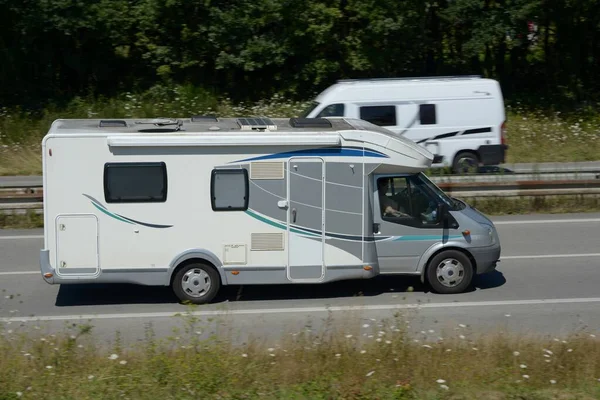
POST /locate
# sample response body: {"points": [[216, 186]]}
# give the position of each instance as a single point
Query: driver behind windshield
{"points": [[388, 206]]}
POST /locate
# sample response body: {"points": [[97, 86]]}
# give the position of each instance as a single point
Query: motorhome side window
{"points": [[427, 114], [403, 201], [135, 182], [229, 190], [379, 115]]}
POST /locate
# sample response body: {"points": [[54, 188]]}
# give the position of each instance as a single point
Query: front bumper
{"points": [[486, 258]]}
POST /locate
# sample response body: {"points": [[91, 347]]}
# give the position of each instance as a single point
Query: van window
{"points": [[427, 114], [379, 115], [229, 190], [332, 110], [135, 182]]}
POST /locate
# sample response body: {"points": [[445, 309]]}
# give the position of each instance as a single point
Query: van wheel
{"points": [[450, 272], [197, 283], [466, 163]]}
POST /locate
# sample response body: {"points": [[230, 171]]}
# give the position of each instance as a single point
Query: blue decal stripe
{"points": [[324, 152]]}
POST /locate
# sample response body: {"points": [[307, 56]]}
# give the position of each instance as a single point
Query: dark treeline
{"points": [[52, 50]]}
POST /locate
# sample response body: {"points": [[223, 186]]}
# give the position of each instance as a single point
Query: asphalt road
{"points": [[547, 283]]}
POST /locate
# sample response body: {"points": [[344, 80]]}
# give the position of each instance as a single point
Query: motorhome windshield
{"points": [[433, 189]]}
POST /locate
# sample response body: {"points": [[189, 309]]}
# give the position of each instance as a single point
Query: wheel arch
{"points": [[434, 251], [196, 255]]}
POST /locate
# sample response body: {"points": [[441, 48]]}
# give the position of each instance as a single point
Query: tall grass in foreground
{"points": [[377, 360], [533, 136]]}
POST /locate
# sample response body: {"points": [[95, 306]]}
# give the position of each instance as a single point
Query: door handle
{"points": [[293, 215], [376, 228]]}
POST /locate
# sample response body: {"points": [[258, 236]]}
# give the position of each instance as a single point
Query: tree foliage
{"points": [[53, 50]]}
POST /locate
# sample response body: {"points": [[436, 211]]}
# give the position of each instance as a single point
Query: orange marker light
{"points": [[367, 268], [466, 232], [235, 272], [48, 275]]}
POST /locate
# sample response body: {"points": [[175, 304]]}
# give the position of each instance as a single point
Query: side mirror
{"points": [[442, 213]]}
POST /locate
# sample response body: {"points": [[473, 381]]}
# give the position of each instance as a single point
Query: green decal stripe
{"points": [[425, 237], [105, 211], [278, 225]]}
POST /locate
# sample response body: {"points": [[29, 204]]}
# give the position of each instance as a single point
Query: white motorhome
{"points": [[202, 202], [460, 119]]}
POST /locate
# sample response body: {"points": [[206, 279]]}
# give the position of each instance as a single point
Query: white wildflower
{"points": [[90, 377], [270, 349], [19, 394], [552, 381], [427, 346], [507, 315], [348, 336], [431, 331], [370, 373], [338, 355], [440, 381], [378, 339], [462, 325], [49, 367], [245, 355], [523, 366], [526, 376], [363, 351], [569, 350], [123, 362], [516, 353], [113, 357], [388, 342], [462, 337], [444, 387]]}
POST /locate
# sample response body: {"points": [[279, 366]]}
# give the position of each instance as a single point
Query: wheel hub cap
{"points": [[196, 283], [450, 272]]}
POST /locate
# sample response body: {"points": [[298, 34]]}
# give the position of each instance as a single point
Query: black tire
{"points": [[199, 275], [451, 258], [465, 162]]}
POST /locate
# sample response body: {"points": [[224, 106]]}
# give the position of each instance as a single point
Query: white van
{"points": [[460, 119]]}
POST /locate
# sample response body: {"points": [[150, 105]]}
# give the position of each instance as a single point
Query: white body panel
{"points": [[468, 112]]}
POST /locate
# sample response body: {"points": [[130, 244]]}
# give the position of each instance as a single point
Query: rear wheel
{"points": [[197, 283], [450, 272], [466, 163]]}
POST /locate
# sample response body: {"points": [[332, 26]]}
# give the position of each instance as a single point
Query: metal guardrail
{"points": [[22, 198]]}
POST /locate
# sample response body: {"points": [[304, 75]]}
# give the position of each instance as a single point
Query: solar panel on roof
{"points": [[256, 123]]}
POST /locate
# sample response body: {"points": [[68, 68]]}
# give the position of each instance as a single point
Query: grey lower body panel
{"points": [[486, 258], [260, 275], [139, 276]]}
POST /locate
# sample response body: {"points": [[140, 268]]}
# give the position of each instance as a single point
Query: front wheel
{"points": [[450, 272], [197, 283]]}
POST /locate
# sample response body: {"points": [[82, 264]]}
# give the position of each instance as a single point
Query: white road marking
{"points": [[299, 310], [522, 257], [550, 256], [547, 221], [22, 237]]}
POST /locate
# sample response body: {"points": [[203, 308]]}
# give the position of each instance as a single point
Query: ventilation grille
{"points": [[266, 242], [267, 170]]}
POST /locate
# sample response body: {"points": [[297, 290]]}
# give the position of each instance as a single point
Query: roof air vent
{"points": [[310, 123]]}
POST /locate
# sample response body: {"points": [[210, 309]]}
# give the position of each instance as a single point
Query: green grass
{"points": [[380, 361], [533, 135]]}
